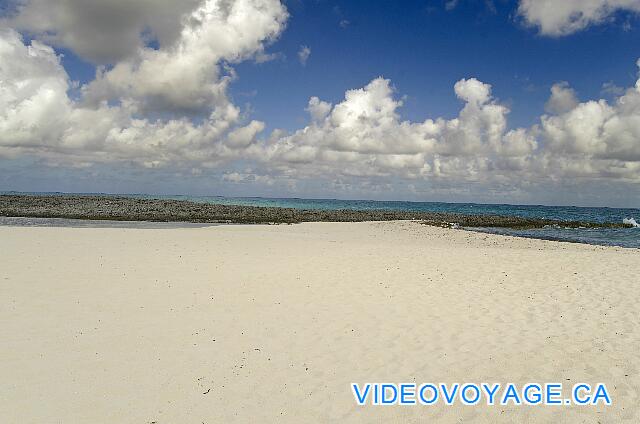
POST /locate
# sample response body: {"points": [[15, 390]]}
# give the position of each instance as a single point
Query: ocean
{"points": [[624, 237]]}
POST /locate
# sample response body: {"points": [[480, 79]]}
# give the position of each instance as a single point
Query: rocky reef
{"points": [[99, 207]]}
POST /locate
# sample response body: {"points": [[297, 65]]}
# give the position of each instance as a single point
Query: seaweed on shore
{"points": [[116, 208]]}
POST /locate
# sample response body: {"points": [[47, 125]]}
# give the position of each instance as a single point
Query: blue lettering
{"points": [[532, 398], [576, 395], [405, 394], [360, 397], [491, 392], [511, 394], [384, 388], [464, 391], [448, 397], [423, 399], [601, 392], [554, 391]]}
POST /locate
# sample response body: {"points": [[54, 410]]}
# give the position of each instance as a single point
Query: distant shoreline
{"points": [[116, 208]]}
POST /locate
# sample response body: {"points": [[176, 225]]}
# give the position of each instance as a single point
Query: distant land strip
{"points": [[95, 207]]}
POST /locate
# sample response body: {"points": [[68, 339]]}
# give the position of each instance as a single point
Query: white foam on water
{"points": [[631, 221]]}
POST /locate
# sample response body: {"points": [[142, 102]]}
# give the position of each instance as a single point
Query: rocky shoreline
{"points": [[116, 208]]}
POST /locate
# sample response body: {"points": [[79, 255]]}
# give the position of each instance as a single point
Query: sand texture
{"points": [[254, 324]]}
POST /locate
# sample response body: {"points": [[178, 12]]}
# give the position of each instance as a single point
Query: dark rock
{"points": [[162, 210]]}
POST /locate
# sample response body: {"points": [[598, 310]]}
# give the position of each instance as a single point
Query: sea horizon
{"points": [[310, 198], [623, 237]]}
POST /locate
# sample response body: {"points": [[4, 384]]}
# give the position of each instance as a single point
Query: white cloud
{"points": [[103, 31], [563, 17], [187, 75], [364, 136], [115, 119], [242, 137], [303, 55], [318, 109], [563, 99], [33, 88], [169, 108], [450, 4], [612, 89], [599, 130], [247, 177]]}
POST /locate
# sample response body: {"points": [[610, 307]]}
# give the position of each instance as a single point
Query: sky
{"points": [[491, 101]]}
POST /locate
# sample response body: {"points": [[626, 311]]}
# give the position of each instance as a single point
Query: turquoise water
{"points": [[626, 237]]}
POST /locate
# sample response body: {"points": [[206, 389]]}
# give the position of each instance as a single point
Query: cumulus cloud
{"points": [[563, 98], [612, 89], [303, 55], [558, 18], [451, 4], [247, 177], [33, 97], [141, 108], [364, 136], [187, 76], [318, 109], [103, 31], [167, 106], [600, 131]]}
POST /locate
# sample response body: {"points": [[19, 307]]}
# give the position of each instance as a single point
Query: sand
{"points": [[272, 323]]}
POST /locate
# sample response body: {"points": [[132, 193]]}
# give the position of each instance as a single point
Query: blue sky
{"points": [[424, 49], [480, 70]]}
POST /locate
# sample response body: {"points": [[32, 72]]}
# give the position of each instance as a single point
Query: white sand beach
{"points": [[269, 324]]}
